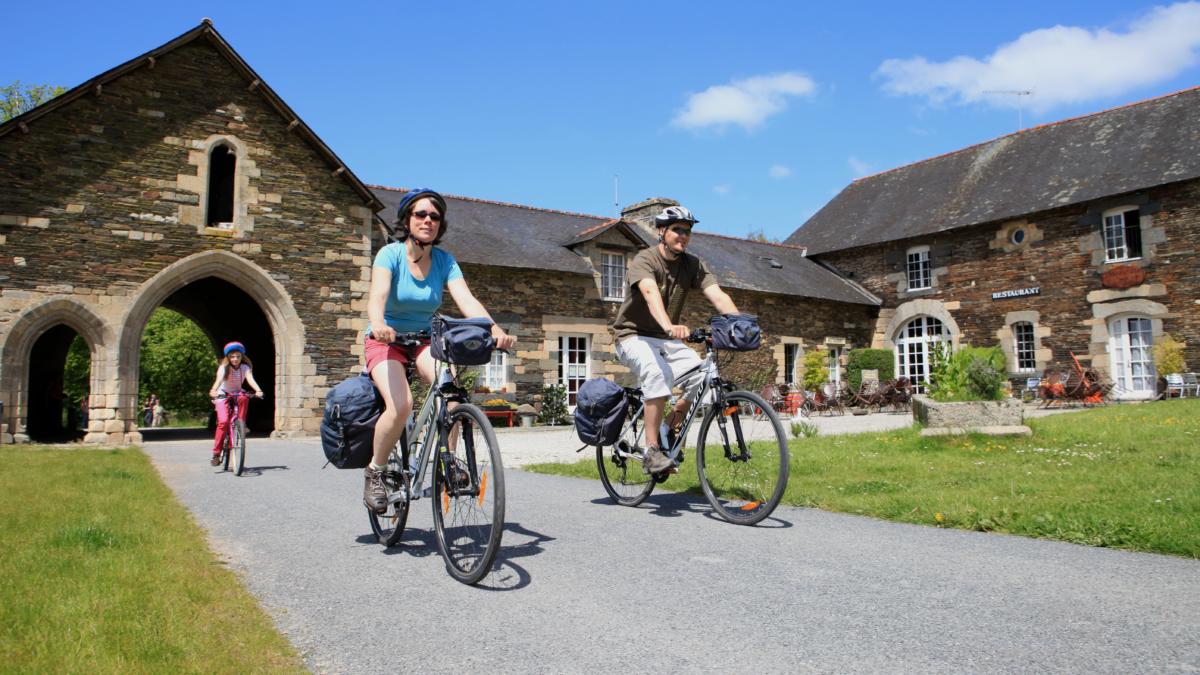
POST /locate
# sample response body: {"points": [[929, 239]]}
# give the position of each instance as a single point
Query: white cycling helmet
{"points": [[674, 214]]}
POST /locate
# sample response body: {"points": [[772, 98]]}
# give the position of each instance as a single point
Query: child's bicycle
{"points": [[457, 448], [742, 462], [234, 445]]}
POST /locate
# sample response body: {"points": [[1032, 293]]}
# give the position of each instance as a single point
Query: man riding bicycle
{"points": [[648, 333]]}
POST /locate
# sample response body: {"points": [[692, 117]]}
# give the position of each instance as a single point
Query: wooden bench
{"points": [[506, 414]]}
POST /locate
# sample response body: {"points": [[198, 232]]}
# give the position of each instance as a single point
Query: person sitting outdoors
{"points": [[648, 329], [408, 278]]}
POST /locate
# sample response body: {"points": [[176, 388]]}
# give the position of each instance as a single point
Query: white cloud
{"points": [[723, 189], [746, 103], [1062, 64], [859, 167], [779, 171]]}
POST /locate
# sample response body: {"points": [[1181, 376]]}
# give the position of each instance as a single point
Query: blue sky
{"points": [[754, 117]]}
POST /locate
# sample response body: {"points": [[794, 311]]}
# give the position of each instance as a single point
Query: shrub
{"points": [[1168, 356], [969, 374], [858, 360], [554, 405], [805, 429], [816, 369]]}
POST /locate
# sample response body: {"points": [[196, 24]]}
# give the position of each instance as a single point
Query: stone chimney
{"points": [[642, 214]]}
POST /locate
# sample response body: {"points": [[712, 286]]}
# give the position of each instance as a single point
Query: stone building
{"points": [[178, 179], [555, 280], [1078, 237]]}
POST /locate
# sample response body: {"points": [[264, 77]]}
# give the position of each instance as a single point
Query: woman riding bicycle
{"points": [[407, 281], [233, 370]]}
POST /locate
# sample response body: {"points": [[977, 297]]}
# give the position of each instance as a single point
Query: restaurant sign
{"points": [[1017, 293]]}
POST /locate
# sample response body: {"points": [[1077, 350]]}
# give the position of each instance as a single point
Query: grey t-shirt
{"points": [[674, 279]]}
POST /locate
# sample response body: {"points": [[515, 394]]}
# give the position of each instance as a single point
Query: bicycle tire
{"points": [[622, 477], [468, 513], [238, 446], [388, 526], [225, 453], [742, 490]]}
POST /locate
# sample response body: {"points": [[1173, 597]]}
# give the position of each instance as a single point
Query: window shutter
{"points": [[1133, 233]]}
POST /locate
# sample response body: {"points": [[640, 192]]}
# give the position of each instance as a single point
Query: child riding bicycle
{"points": [[232, 372]]}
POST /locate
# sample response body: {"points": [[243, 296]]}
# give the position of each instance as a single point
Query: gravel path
{"points": [[585, 586]]}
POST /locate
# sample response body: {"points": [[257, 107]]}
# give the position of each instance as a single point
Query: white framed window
{"points": [[920, 272], [914, 349], [495, 372], [1023, 347], [1122, 234], [1129, 344], [612, 276], [835, 367], [574, 363], [791, 364]]}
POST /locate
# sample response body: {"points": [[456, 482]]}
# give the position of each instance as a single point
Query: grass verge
{"points": [[1123, 476], [101, 570]]}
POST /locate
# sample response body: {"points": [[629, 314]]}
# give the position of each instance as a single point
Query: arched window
{"points": [[1129, 343], [914, 348], [222, 164], [1024, 349]]}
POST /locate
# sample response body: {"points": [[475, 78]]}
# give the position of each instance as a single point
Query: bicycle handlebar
{"points": [[698, 336]]}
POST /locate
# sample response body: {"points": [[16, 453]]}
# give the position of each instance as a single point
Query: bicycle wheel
{"points": [[388, 526], [225, 451], [238, 445], [622, 475], [742, 463], [468, 501]]}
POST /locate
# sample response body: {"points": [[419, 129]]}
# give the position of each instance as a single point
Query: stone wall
{"points": [[537, 307], [1062, 255], [102, 217]]}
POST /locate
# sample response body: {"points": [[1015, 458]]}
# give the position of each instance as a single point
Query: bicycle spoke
{"points": [[469, 505], [743, 462]]}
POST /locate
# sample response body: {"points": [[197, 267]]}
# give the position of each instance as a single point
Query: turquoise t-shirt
{"points": [[412, 302]]}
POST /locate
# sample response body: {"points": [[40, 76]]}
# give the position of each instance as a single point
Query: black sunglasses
{"points": [[432, 215]]}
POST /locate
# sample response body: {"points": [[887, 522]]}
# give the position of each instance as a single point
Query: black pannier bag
{"points": [[735, 332], [600, 407], [464, 342], [348, 427]]}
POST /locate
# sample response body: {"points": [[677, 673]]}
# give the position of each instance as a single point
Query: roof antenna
{"points": [[616, 194], [1018, 93]]}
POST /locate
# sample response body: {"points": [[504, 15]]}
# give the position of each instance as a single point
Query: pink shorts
{"points": [[378, 352]]}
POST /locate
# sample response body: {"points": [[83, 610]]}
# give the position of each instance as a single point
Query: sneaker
{"points": [[655, 460], [458, 478], [374, 494], [216, 460]]}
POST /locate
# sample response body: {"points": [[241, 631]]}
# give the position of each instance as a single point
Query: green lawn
{"points": [[101, 570], [1124, 476]]}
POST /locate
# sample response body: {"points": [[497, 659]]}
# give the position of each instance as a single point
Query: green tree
{"points": [[759, 234], [816, 369], [18, 98], [77, 370], [177, 363]]}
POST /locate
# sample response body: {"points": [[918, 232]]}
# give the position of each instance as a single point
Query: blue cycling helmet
{"points": [[405, 209], [235, 347]]}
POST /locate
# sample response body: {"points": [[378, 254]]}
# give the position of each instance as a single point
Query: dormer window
{"points": [[1122, 234], [222, 164], [920, 274], [612, 276]]}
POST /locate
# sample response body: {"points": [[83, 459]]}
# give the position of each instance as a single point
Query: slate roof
{"points": [[204, 31], [1069, 162], [510, 235]]}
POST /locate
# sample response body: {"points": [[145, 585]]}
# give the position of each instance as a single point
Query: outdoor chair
{"points": [[1175, 386], [1191, 384]]}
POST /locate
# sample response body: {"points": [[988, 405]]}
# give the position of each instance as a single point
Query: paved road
{"points": [[584, 586]]}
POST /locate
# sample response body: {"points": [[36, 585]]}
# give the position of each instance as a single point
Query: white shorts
{"points": [[658, 363]]}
